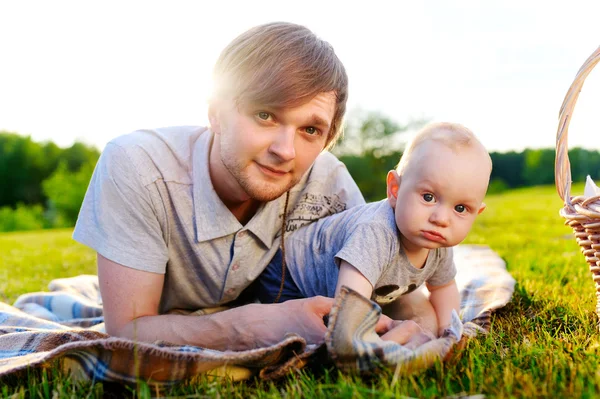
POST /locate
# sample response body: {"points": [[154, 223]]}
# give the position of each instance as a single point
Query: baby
{"points": [[386, 250]]}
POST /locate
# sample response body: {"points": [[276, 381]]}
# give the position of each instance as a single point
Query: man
{"points": [[186, 218]]}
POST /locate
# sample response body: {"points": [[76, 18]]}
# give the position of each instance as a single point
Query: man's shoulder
{"points": [[325, 190], [327, 175], [177, 139], [325, 161], [165, 153]]}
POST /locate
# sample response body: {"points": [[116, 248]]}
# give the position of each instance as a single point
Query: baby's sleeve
{"points": [[369, 249]]}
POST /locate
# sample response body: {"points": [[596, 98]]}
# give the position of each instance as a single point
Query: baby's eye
{"points": [[263, 115], [311, 130], [460, 208], [428, 197]]}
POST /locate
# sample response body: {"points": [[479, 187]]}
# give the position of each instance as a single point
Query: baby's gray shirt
{"points": [[367, 237]]}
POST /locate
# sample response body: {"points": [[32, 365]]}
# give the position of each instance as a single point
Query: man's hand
{"points": [[309, 318], [304, 317], [259, 325]]}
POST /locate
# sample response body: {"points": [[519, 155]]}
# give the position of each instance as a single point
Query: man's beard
{"points": [[257, 190]]}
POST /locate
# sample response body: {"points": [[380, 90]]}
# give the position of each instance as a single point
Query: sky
{"points": [[91, 71]]}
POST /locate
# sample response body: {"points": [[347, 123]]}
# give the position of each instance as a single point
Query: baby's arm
{"points": [[352, 278], [405, 332], [444, 298]]}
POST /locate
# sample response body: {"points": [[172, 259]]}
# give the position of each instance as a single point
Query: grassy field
{"points": [[543, 344]]}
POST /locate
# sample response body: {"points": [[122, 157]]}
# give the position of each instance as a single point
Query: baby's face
{"points": [[440, 194]]}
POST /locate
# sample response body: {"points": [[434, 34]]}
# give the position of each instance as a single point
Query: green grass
{"points": [[29, 260], [543, 344]]}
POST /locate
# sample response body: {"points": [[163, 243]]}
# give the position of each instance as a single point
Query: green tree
{"points": [[373, 134], [24, 164], [78, 155], [23, 217], [508, 168], [584, 162], [65, 191], [371, 146], [539, 167]]}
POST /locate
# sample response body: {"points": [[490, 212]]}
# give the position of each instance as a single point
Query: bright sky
{"points": [[92, 71]]}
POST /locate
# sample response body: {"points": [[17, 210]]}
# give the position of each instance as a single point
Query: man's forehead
{"points": [[327, 98]]}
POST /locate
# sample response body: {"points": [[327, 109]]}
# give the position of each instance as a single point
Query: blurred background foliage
{"points": [[373, 143], [42, 185]]}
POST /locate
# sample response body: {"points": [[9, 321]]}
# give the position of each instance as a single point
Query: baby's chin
{"points": [[418, 243], [427, 244]]}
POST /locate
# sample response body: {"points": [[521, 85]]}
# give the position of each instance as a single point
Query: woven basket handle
{"points": [[562, 166]]}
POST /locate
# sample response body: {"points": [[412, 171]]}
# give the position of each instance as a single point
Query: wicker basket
{"points": [[581, 213]]}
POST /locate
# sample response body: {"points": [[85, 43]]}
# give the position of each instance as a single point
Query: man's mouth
{"points": [[272, 171]]}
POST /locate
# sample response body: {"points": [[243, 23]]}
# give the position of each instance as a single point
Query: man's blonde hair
{"points": [[453, 135], [281, 65]]}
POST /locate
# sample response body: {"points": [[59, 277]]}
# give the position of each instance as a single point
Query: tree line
{"points": [[42, 185], [510, 169], [373, 143]]}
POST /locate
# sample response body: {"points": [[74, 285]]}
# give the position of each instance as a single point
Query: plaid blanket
{"points": [[64, 327]]}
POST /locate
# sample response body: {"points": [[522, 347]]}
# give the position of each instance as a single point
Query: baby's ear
{"points": [[481, 208], [393, 184]]}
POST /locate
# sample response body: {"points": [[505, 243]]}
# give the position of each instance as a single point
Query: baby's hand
{"points": [[407, 333]]}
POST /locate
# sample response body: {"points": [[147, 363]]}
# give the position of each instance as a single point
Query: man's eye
{"points": [[263, 115], [460, 208], [428, 197], [311, 130]]}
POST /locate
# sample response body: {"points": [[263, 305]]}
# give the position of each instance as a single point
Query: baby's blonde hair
{"points": [[453, 135]]}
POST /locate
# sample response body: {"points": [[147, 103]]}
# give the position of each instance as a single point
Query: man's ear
{"points": [[213, 117], [393, 184], [481, 208]]}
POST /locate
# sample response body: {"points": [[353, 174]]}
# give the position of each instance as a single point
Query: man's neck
{"points": [[243, 211]]}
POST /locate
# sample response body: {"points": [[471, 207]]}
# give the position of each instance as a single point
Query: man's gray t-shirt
{"points": [[367, 237], [151, 206]]}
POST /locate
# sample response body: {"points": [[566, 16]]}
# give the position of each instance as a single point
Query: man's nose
{"points": [[283, 144], [440, 217]]}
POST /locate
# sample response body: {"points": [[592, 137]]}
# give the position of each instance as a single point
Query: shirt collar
{"points": [[212, 218]]}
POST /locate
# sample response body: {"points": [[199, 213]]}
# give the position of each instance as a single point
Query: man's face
{"points": [[439, 195], [263, 152]]}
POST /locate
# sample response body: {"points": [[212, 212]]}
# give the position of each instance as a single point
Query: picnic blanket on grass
{"points": [[65, 325]]}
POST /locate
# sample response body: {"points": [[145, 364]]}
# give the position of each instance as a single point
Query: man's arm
{"points": [[131, 299], [444, 298]]}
